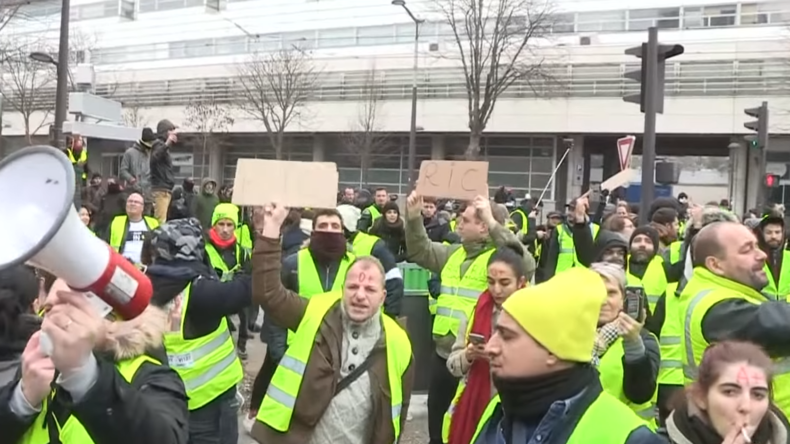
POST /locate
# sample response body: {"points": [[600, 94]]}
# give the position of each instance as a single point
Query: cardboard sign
{"points": [[618, 180], [625, 148], [293, 184], [453, 179]]}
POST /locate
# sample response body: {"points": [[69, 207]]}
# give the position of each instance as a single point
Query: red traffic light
{"points": [[771, 180]]}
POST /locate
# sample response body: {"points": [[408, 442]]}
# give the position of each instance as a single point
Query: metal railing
{"points": [[759, 78]]}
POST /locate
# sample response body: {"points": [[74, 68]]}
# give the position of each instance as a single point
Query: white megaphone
{"points": [[40, 226]]}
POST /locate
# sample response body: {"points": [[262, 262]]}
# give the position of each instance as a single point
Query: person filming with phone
{"points": [[627, 356], [468, 359]]}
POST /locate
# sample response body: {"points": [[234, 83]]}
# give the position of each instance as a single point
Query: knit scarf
{"points": [[607, 335], [477, 392], [696, 429], [218, 241]]}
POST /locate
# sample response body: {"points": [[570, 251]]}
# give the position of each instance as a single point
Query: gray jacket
{"points": [[9, 370], [136, 166]]}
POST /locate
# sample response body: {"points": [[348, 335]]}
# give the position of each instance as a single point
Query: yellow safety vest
{"points": [[244, 237], [671, 370], [363, 244], [524, 224], [278, 405], [606, 421], [654, 281], [208, 365], [610, 368], [458, 296], [218, 263], [702, 292], [675, 248], [72, 432], [681, 229], [374, 214], [120, 224], [83, 158], [780, 291], [567, 256], [453, 223]]}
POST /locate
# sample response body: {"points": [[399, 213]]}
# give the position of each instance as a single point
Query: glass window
{"points": [[601, 21], [376, 35], [337, 38], [404, 32], [764, 13], [192, 3], [265, 43], [177, 50], [663, 18], [199, 48], [127, 9], [300, 39], [167, 5], [563, 23], [231, 45], [709, 16], [147, 5]]}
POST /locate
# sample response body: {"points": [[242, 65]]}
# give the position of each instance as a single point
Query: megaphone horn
{"points": [[41, 227]]}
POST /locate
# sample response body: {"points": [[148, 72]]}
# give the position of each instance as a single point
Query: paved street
{"points": [[416, 431]]}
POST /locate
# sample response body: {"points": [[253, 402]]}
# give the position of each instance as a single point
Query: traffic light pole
{"points": [[649, 136]]}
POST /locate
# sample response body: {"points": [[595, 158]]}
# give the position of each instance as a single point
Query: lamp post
{"points": [[413, 130]]}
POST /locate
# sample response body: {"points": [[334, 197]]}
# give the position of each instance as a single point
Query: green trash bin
{"points": [[419, 321]]}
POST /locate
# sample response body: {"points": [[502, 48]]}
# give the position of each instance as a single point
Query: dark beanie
{"points": [[391, 206], [648, 231], [148, 135]]}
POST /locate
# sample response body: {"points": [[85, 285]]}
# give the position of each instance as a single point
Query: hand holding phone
{"points": [[634, 304], [475, 347]]}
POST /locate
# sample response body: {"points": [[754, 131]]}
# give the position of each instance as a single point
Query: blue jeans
{"points": [[216, 422]]}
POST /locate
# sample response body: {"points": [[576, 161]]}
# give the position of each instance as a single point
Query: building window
{"points": [[231, 45], [765, 13], [663, 18], [147, 5], [376, 35], [337, 38], [563, 23], [709, 16], [601, 21], [265, 43], [299, 39], [126, 9]]}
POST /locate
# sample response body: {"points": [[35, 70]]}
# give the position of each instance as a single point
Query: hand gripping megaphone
{"points": [[39, 226]]}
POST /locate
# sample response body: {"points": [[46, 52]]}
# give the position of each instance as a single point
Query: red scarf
{"points": [[477, 393], [218, 241]]}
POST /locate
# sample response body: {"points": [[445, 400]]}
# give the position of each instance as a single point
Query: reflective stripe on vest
{"points": [[208, 365], [118, 228], [244, 236], [671, 370], [610, 367], [363, 244], [218, 262], [703, 291], [72, 432], [459, 294], [567, 256], [595, 425], [278, 405]]}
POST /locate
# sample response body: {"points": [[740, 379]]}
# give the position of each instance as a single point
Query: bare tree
{"points": [[25, 90], [365, 139], [275, 87], [207, 118], [496, 43], [133, 116]]}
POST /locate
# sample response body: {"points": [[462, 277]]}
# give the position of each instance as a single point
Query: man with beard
{"points": [[666, 223], [645, 264], [547, 388], [562, 252], [722, 301], [771, 237]]}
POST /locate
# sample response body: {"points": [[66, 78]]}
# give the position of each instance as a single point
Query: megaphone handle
{"points": [[45, 344]]}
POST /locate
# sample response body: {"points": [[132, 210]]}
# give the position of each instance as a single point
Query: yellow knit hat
{"points": [[562, 313], [225, 211]]}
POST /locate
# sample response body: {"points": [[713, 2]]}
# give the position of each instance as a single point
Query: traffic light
{"points": [[772, 180], [760, 126], [659, 53]]}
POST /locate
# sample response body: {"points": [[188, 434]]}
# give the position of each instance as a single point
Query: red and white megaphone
{"points": [[40, 226]]}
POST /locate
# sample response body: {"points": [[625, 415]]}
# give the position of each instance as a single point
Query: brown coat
{"points": [[286, 309]]}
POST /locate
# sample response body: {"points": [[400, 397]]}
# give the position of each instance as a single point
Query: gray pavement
{"points": [[415, 432]]}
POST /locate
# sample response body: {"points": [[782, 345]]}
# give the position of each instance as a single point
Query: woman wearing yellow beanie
{"points": [[540, 353], [627, 356]]}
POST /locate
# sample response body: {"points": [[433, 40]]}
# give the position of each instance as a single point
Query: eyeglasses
{"points": [[135, 202]]}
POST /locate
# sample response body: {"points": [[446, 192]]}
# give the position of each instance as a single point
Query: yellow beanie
{"points": [[562, 313], [225, 211]]}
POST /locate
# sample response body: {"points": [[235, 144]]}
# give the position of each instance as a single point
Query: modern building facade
{"points": [[155, 56]]}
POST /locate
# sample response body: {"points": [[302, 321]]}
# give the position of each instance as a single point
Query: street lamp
{"points": [[43, 57], [413, 130]]}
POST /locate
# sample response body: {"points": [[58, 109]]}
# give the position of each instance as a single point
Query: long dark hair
{"points": [[19, 288]]}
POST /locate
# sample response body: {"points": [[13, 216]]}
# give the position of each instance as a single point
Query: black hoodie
{"points": [[589, 251], [210, 300]]}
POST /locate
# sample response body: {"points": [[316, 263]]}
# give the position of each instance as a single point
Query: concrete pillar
{"points": [[437, 147], [738, 175], [754, 178], [216, 163], [575, 167], [319, 148]]}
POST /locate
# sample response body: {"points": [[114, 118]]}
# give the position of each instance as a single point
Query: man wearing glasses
{"points": [[127, 232]]}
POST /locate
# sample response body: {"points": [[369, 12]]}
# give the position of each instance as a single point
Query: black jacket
{"points": [[393, 235], [640, 377], [150, 409], [436, 228], [366, 219], [209, 299], [162, 177]]}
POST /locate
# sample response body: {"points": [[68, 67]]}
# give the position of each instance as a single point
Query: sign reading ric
{"points": [[453, 179]]}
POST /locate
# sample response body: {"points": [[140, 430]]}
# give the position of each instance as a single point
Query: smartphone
{"points": [[477, 339], [634, 302]]}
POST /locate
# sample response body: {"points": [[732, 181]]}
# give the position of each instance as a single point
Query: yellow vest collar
{"points": [[703, 274]]}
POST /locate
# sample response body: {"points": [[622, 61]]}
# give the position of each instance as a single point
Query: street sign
{"points": [[625, 148]]}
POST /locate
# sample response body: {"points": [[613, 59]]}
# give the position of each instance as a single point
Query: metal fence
{"points": [[767, 77]]}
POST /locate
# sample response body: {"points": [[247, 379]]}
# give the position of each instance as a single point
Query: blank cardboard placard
{"points": [[293, 184], [453, 179]]}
